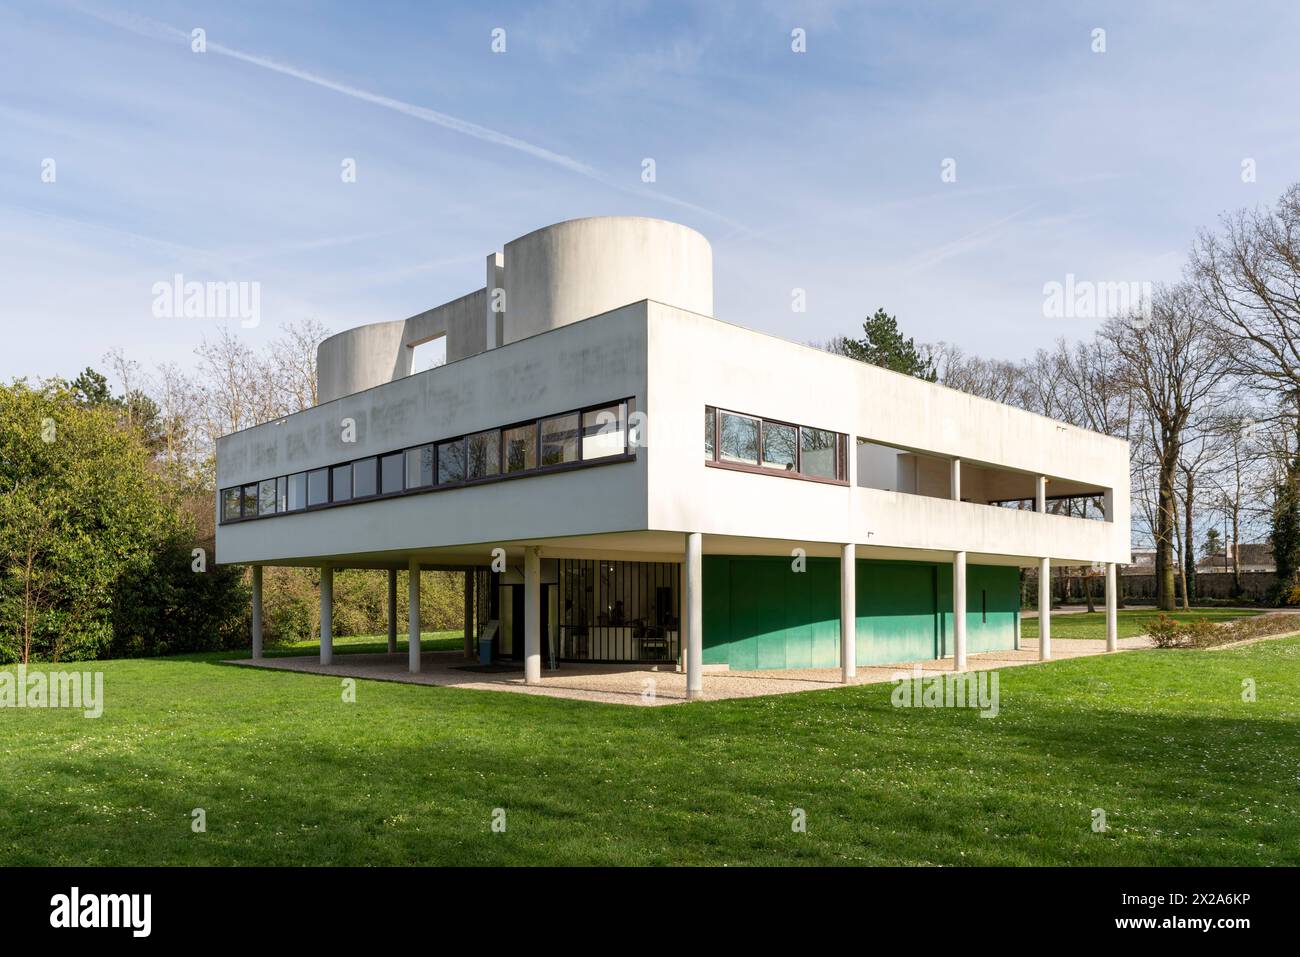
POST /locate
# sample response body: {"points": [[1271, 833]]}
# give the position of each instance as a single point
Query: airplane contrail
{"points": [[153, 29]]}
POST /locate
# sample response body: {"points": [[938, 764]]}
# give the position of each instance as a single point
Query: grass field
{"points": [[1131, 621], [370, 644], [288, 773]]}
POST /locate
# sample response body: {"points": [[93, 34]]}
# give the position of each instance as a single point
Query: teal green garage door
{"points": [[992, 607], [760, 613], [896, 612]]}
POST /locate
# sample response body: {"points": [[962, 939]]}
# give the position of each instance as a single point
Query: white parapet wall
{"points": [[696, 360]]}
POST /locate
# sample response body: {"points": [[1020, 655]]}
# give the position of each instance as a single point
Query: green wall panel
{"points": [[896, 612], [760, 613], [992, 607]]}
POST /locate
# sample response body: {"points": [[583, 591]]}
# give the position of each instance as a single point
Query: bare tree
{"points": [[1249, 278], [1172, 364], [292, 363]]}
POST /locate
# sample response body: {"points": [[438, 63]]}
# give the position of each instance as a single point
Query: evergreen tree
{"points": [[1285, 534], [883, 345]]}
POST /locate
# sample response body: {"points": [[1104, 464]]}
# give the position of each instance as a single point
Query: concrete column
{"points": [[694, 617], [1040, 494], [392, 611], [327, 614], [469, 613], [1112, 608], [1108, 504], [848, 613], [1044, 609], [257, 612], [958, 611], [413, 617], [954, 484], [532, 615], [681, 615]]}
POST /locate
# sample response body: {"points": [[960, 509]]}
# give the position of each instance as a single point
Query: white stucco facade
{"points": [[618, 310]]}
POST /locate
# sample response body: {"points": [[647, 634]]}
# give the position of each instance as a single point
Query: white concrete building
{"points": [[657, 484]]}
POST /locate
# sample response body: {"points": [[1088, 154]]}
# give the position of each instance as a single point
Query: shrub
{"points": [[1201, 633], [162, 606], [290, 605], [1165, 632]]}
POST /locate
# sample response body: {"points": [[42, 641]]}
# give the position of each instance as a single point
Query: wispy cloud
{"points": [[153, 29], [975, 239]]}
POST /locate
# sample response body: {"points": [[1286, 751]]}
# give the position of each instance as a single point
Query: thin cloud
{"points": [[152, 29], [976, 239]]}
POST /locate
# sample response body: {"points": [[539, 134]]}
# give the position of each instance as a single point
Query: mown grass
{"points": [[288, 773], [1131, 621], [452, 640]]}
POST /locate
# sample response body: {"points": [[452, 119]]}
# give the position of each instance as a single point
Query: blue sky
{"points": [[818, 170]]}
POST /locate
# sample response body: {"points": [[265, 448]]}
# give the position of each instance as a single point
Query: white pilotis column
{"points": [[848, 613], [392, 611], [532, 615], [469, 613], [958, 611], [955, 483], [327, 614], [413, 617], [681, 621], [694, 617], [1044, 609], [1040, 494], [1112, 608], [257, 612]]}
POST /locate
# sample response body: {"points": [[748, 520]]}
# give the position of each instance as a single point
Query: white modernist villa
{"points": [[626, 478]]}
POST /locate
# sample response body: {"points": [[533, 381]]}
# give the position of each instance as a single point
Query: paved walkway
{"points": [[648, 685]]}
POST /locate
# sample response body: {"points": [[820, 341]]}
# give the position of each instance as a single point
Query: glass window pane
{"points": [[390, 473], [451, 461], [484, 455], [282, 494], [818, 453], [297, 491], [318, 487], [560, 439], [780, 446], [250, 500], [604, 432], [341, 483], [419, 466], [266, 497], [521, 448], [365, 478], [739, 439], [230, 504], [710, 417]]}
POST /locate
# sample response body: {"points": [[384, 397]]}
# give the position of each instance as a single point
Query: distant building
{"points": [[1142, 562], [1257, 557]]}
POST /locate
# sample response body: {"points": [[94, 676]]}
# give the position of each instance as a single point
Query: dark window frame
{"points": [[628, 405], [717, 462]]}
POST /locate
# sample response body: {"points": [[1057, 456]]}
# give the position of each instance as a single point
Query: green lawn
{"points": [[288, 773], [1131, 621], [453, 640]]}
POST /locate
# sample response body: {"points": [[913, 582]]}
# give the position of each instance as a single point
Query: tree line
{"points": [[107, 514], [107, 489]]}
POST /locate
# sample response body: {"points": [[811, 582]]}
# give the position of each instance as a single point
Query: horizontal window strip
{"points": [[751, 443], [593, 435]]}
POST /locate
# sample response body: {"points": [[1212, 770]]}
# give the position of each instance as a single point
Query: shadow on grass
{"points": [[413, 774]]}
